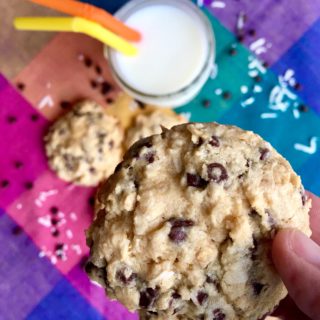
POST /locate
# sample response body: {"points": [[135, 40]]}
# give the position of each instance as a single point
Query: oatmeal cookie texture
{"points": [[184, 226], [150, 123], [84, 145]]}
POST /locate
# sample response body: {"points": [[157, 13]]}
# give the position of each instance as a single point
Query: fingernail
{"points": [[305, 248]]}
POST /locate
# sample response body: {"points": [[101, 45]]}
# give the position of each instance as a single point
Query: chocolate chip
{"points": [[303, 108], [5, 183], [232, 51], [257, 78], [140, 104], [226, 95], [265, 64], [194, 180], [252, 32], [109, 100], [148, 297], [34, 117], [149, 157], [264, 153], [91, 201], [28, 185], [217, 172], [120, 275], [16, 230], [93, 84], [240, 38], [297, 86], [201, 317], [218, 314], [206, 103], [118, 167], [177, 234], [59, 246], [92, 170], [253, 213], [248, 163], [176, 295], [11, 119], [179, 223], [87, 62], [98, 69], [21, 86], [257, 288], [303, 197], [200, 142], [54, 221], [18, 164], [54, 210], [105, 87], [55, 233], [202, 297], [65, 104], [214, 141], [136, 184], [111, 144]]}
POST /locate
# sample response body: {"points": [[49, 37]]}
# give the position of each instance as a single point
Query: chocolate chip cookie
{"points": [[147, 124], [84, 145], [184, 226]]}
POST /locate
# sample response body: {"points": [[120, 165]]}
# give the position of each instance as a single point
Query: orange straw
{"points": [[90, 12]]}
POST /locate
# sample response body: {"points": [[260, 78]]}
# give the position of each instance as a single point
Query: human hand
{"points": [[297, 259]]}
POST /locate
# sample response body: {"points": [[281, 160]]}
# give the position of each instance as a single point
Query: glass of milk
{"points": [[175, 56]]}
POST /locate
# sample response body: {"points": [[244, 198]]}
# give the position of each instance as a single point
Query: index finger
{"points": [[315, 217]]}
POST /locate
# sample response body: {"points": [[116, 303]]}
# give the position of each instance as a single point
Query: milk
{"points": [[173, 53]]}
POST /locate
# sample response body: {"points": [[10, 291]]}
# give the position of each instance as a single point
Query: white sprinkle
{"points": [[73, 216], [247, 102], [60, 214], [186, 115], [244, 89], [76, 248], [53, 260], [253, 73], [100, 79], [257, 89], [288, 74], [260, 50], [281, 106], [45, 221], [48, 85], [292, 82], [240, 21], [200, 3], [296, 113], [274, 92], [62, 222], [268, 115], [256, 64], [311, 149], [258, 43], [214, 71], [69, 234], [218, 4], [41, 254], [218, 91], [80, 56], [43, 197], [46, 101], [19, 206]]}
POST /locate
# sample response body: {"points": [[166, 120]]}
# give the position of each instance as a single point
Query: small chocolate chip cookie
{"points": [[184, 226], [84, 145]]}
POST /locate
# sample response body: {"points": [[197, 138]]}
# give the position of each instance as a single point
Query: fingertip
{"points": [[281, 247]]}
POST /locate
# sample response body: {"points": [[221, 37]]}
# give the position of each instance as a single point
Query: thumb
{"points": [[297, 259]]}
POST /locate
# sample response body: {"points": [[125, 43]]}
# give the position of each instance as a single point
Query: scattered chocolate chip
{"points": [[55, 233], [217, 172], [21, 86], [65, 104], [54, 221], [257, 78], [264, 154], [109, 100], [5, 183], [149, 157], [18, 164], [111, 144], [105, 87], [252, 32], [11, 119], [201, 317], [70, 162], [87, 62], [54, 210], [98, 69], [240, 38], [28, 185], [177, 234], [148, 297], [136, 184], [303, 108], [265, 64], [34, 117], [297, 86], [122, 277], [214, 141], [140, 104], [176, 295], [194, 180], [206, 103], [303, 197], [118, 167], [218, 314], [232, 51], [16, 230], [257, 288], [202, 297], [179, 223], [226, 95], [93, 84], [59, 246], [91, 201], [92, 170], [200, 142], [248, 163], [253, 213]]}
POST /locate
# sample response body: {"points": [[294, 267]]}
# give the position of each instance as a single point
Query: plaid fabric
{"points": [[42, 218]]}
